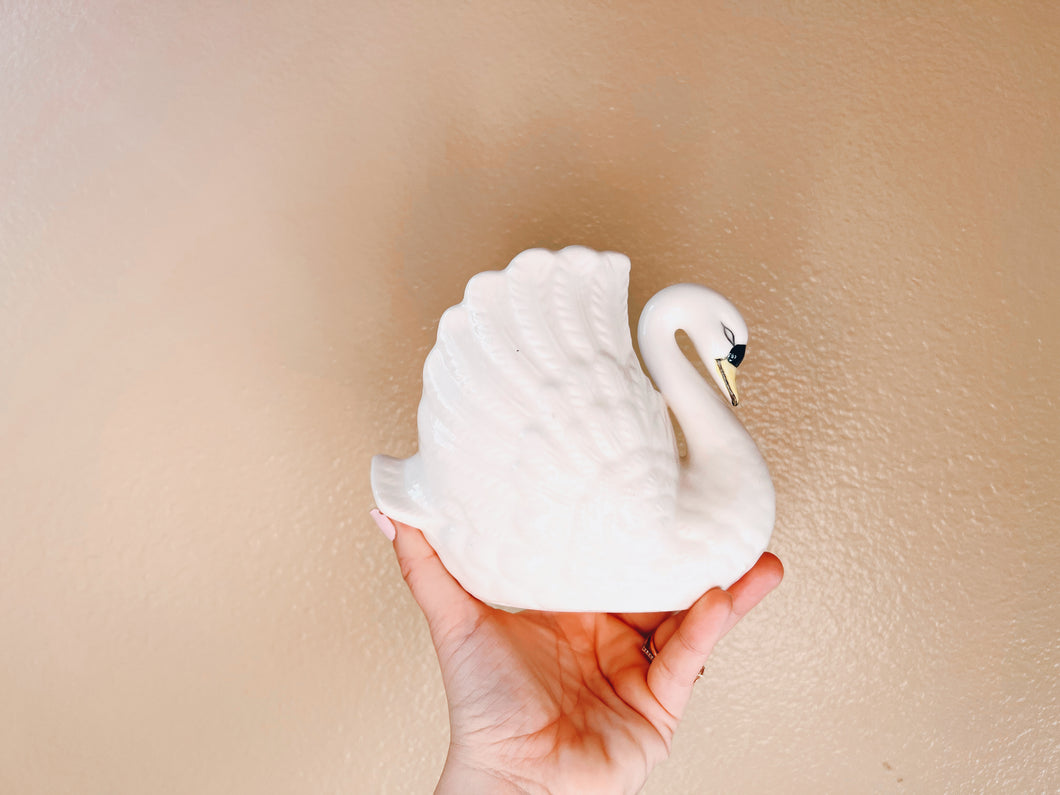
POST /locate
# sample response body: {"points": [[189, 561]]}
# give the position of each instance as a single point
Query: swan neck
{"points": [[707, 422]]}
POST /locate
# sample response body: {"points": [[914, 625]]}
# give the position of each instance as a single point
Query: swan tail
{"points": [[393, 486]]}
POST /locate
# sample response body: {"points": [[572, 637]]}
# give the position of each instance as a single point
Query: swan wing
{"points": [[536, 411]]}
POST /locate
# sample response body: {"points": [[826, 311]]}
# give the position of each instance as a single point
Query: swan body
{"points": [[547, 475]]}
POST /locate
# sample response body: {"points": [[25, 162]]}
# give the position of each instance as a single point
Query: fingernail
{"points": [[385, 525]]}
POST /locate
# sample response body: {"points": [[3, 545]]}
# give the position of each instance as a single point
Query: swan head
{"points": [[714, 325], [719, 334]]}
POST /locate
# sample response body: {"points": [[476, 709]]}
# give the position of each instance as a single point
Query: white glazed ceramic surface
{"points": [[547, 475]]}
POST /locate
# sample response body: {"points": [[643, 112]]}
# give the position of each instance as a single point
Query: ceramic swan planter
{"points": [[547, 475]]}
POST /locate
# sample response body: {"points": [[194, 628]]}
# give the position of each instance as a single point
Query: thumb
{"points": [[444, 602]]}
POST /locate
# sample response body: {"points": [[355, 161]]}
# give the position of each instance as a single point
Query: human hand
{"points": [[563, 702]]}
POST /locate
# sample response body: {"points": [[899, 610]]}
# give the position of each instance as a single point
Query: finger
{"points": [[754, 586], [673, 672], [442, 599], [746, 592]]}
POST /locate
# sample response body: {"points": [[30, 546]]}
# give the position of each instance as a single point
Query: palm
{"points": [[566, 701], [552, 693]]}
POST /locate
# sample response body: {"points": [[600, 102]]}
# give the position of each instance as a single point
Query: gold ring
{"points": [[651, 652], [648, 649]]}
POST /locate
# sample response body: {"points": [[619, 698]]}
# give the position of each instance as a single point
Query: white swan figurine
{"points": [[548, 476]]}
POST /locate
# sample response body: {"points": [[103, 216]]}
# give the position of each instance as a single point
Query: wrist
{"points": [[460, 777]]}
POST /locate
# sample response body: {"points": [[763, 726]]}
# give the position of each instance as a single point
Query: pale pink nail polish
{"points": [[385, 525]]}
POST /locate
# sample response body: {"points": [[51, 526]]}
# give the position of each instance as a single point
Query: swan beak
{"points": [[728, 377]]}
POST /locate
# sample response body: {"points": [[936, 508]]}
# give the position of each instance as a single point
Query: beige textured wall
{"points": [[227, 232]]}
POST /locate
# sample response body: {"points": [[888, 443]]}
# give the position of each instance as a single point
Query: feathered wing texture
{"points": [[535, 408]]}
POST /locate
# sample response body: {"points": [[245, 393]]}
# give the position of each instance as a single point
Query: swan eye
{"points": [[736, 355]]}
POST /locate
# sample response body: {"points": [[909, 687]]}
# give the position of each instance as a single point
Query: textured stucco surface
{"points": [[227, 233]]}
